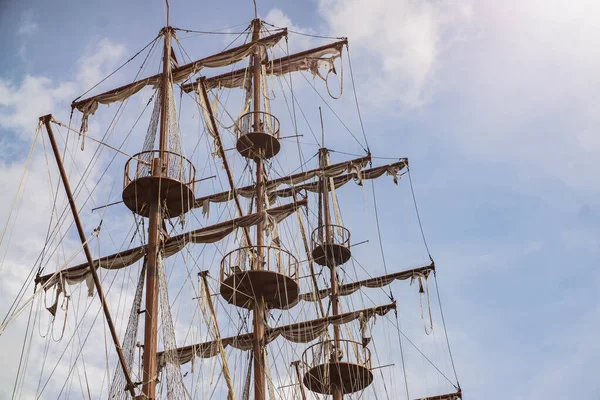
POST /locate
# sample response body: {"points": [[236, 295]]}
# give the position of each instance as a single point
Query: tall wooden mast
{"points": [[337, 391], [259, 309], [155, 219]]}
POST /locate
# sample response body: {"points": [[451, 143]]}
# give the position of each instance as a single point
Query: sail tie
{"points": [[331, 69], [424, 291]]}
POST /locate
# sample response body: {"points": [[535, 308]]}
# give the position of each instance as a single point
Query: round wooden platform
{"points": [[175, 195], [331, 254], [244, 288], [349, 377], [254, 144]]}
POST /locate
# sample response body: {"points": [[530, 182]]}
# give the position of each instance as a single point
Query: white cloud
{"points": [[21, 104], [526, 80], [280, 19], [100, 59], [35, 96], [403, 39]]}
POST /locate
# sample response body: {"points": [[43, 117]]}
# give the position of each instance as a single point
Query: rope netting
{"points": [[151, 135], [117, 388], [172, 371], [174, 141]]}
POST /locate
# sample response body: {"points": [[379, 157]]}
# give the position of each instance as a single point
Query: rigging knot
{"points": [[96, 231]]}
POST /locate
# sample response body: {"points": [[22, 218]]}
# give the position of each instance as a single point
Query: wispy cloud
{"points": [[28, 24], [402, 40]]}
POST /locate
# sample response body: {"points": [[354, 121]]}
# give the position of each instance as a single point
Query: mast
{"points": [[155, 219], [259, 309], [337, 391]]}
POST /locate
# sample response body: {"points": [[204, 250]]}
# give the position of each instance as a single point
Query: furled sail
{"points": [[90, 105], [300, 332], [352, 166], [372, 173], [309, 60], [172, 245], [377, 282], [448, 396]]}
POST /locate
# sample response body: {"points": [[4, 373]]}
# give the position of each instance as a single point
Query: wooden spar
{"points": [[152, 80], [371, 282], [271, 65], [203, 275], [183, 237], [130, 386], [337, 393], [368, 312], [283, 180], [213, 123], [155, 220], [296, 365], [448, 396], [259, 309]]}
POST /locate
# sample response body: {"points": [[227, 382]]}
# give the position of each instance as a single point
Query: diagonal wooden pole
{"points": [[130, 386]]}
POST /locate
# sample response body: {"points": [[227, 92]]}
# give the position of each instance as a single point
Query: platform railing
{"points": [[326, 352], [273, 259], [332, 234], [268, 124], [178, 167]]}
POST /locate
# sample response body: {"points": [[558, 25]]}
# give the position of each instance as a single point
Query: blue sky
{"points": [[495, 104]]}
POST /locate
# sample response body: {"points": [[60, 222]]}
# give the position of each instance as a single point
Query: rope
{"points": [[379, 230], [246, 392], [29, 156], [22, 353], [362, 127], [332, 69], [117, 388], [402, 355], [445, 330], [423, 354], [418, 216], [117, 70], [335, 114], [421, 294], [211, 322], [270, 386], [175, 387], [306, 34], [215, 32]]}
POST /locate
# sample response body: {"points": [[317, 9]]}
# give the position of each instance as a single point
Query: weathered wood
{"points": [[150, 366], [88, 255], [259, 308], [230, 179]]}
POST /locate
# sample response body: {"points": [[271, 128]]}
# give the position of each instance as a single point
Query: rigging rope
{"points": [[118, 387], [425, 292], [362, 127], [445, 330], [29, 156], [402, 355], [246, 392], [117, 70], [175, 387], [412, 190]]}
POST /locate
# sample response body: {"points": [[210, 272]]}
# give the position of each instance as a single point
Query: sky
{"points": [[494, 103]]}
